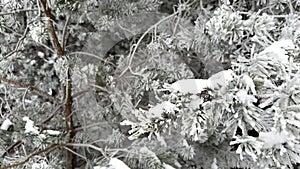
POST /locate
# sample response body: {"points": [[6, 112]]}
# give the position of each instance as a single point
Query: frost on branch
{"points": [[261, 96], [191, 111], [276, 79]]}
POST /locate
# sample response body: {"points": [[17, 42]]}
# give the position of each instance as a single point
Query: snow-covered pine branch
{"points": [[195, 86]]}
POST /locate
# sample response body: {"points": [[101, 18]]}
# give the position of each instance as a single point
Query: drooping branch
{"points": [[30, 88]]}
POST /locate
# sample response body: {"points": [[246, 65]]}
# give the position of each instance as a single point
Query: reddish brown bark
{"points": [[71, 158]]}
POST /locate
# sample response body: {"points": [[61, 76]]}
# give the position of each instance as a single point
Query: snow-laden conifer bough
{"points": [[276, 51], [195, 86], [217, 82]]}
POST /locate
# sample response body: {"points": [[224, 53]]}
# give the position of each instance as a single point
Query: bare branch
{"points": [[81, 92], [12, 30], [89, 146], [99, 87], [79, 155], [48, 48], [57, 110], [9, 148], [93, 55], [65, 32], [30, 88]]}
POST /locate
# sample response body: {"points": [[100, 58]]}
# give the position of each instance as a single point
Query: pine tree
{"points": [[149, 84]]}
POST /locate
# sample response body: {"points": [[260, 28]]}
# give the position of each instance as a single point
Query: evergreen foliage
{"points": [[153, 83]]}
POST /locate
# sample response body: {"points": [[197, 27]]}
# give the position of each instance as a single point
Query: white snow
{"points": [[29, 126], [41, 54], [273, 138], [6, 1], [248, 82], [277, 51], [126, 123], [53, 132], [195, 102], [214, 164], [244, 98], [117, 164], [194, 86], [98, 167], [221, 78], [165, 106], [6, 124], [114, 163], [40, 165], [167, 166]]}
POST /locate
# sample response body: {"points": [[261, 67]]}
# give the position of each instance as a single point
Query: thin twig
{"points": [[99, 87], [57, 110], [12, 30], [30, 88], [72, 151], [131, 54], [89, 146], [6, 99], [291, 7], [81, 92], [68, 104], [47, 47], [23, 99], [93, 55], [9, 148], [65, 33], [93, 125]]}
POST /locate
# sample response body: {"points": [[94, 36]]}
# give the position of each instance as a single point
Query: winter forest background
{"points": [[149, 84]]}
